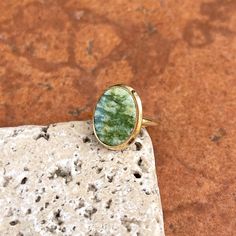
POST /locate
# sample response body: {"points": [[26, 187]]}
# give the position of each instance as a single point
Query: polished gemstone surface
{"points": [[115, 116]]}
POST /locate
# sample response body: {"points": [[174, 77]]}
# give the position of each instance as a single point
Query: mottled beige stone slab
{"points": [[58, 180]]}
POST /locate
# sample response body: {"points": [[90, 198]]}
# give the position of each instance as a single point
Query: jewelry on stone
{"points": [[118, 117]]}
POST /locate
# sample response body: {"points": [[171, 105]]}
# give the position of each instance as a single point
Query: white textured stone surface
{"points": [[58, 180]]}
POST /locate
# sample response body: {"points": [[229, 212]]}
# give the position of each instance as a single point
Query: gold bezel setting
{"points": [[138, 121]]}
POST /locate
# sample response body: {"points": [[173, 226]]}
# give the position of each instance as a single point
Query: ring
{"points": [[118, 117]]}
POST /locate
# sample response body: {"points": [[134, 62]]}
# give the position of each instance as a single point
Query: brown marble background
{"points": [[57, 56]]}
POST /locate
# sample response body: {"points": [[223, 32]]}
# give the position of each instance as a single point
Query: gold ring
{"points": [[118, 117]]}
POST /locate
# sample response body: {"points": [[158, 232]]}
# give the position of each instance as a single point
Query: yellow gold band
{"points": [[147, 122]]}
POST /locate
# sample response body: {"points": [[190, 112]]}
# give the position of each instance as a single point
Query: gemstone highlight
{"points": [[115, 116]]}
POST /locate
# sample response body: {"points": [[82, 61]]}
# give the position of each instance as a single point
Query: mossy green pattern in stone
{"points": [[115, 116]]}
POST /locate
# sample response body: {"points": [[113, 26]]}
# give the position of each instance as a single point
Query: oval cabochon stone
{"points": [[115, 116]]}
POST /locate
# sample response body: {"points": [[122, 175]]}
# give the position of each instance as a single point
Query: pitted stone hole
{"points": [[86, 139], [78, 164], [51, 228], [43, 222], [138, 146], [63, 229], [114, 191], [146, 192], [140, 161], [63, 172], [137, 175], [110, 178], [14, 222], [92, 187], [38, 199], [96, 199], [108, 204], [89, 212], [99, 169], [43, 134], [57, 217], [126, 222], [24, 180], [45, 129], [28, 211], [143, 165], [81, 204]]}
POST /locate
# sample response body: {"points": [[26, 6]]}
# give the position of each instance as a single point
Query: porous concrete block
{"points": [[58, 180]]}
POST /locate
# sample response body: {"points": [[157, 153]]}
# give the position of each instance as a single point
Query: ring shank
{"points": [[148, 122]]}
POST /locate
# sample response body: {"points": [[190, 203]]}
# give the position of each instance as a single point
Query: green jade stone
{"points": [[115, 116]]}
